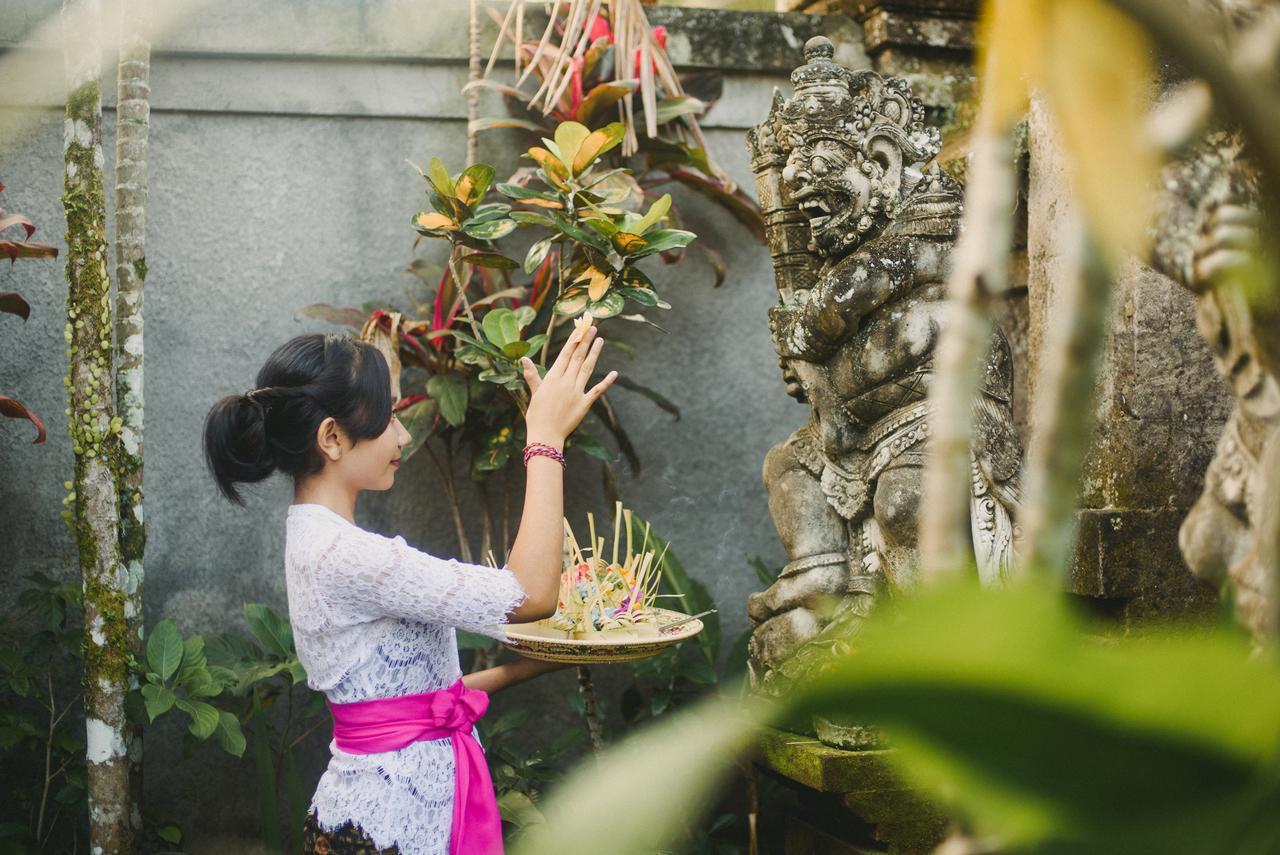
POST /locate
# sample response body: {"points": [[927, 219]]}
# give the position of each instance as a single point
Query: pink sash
{"points": [[389, 724]]}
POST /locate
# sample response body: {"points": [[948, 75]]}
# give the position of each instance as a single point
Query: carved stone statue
{"points": [[862, 225], [1208, 240]]}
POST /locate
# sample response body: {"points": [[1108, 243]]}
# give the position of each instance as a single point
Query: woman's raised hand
{"points": [[560, 401]]}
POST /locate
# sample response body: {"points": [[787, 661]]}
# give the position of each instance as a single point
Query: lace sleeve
{"points": [[368, 576]]}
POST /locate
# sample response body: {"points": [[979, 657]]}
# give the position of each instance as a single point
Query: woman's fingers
{"points": [[602, 387], [588, 365], [571, 346], [531, 376], [580, 352]]}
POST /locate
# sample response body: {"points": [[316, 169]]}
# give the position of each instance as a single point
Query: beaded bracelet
{"points": [[537, 449]]}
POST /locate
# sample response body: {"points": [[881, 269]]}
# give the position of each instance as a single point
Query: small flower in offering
{"points": [[599, 594]]}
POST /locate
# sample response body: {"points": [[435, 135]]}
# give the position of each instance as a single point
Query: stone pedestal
{"points": [[854, 804]]}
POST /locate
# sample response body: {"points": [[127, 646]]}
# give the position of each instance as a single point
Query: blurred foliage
{"points": [[1010, 709]]}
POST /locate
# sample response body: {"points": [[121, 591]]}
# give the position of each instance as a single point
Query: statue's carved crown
{"points": [[853, 108]]}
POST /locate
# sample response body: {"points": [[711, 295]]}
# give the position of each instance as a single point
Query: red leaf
{"points": [[15, 250], [12, 302], [17, 220], [14, 409]]}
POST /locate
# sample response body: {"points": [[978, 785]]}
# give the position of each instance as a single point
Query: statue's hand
{"points": [[794, 334], [817, 589], [1227, 246]]}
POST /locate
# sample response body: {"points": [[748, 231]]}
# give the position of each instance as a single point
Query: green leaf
{"points": [[229, 735], [170, 834], [518, 809], [272, 631], [268, 794], [536, 255], [474, 183], [583, 809], [419, 420], [515, 191], [500, 327], [489, 229], [607, 306], [643, 296], [601, 96], [158, 700], [533, 218], [596, 144], [491, 211], [193, 659], [449, 391], [608, 228], [204, 717], [516, 349], [663, 240], [569, 138], [586, 236], [492, 260], [653, 216], [681, 105], [572, 303], [1118, 747], [438, 175], [201, 684], [164, 649], [524, 316]]}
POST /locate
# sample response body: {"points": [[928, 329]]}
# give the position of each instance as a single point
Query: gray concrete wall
{"points": [[278, 178]]}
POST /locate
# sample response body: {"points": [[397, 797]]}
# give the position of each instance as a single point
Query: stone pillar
{"points": [[1160, 408]]}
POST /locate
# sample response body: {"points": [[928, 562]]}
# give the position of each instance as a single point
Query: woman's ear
{"points": [[330, 439]]}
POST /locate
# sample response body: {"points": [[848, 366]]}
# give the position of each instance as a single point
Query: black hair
{"points": [[306, 380]]}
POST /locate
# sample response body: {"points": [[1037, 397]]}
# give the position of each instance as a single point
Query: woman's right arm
{"points": [[557, 405]]}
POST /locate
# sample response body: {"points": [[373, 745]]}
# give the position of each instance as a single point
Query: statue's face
{"points": [[833, 185]]}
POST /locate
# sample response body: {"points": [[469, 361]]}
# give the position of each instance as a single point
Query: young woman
{"points": [[373, 618]]}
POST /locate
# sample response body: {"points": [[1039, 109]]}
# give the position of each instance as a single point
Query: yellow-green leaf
{"points": [[602, 96], [474, 183], [656, 212], [438, 174], [432, 220], [596, 144], [569, 138], [1098, 79], [555, 170], [625, 242], [1011, 50]]}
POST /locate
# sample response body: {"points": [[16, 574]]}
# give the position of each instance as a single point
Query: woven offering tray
{"points": [[539, 640], [606, 608]]}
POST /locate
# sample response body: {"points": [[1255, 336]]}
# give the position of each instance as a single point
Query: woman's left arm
{"points": [[508, 674]]}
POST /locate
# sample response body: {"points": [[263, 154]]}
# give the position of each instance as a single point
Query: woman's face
{"points": [[371, 464]]}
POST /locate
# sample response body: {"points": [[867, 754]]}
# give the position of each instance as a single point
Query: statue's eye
{"points": [[819, 166]]}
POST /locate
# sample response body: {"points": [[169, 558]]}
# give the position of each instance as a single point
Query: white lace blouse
{"points": [[374, 618]]}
